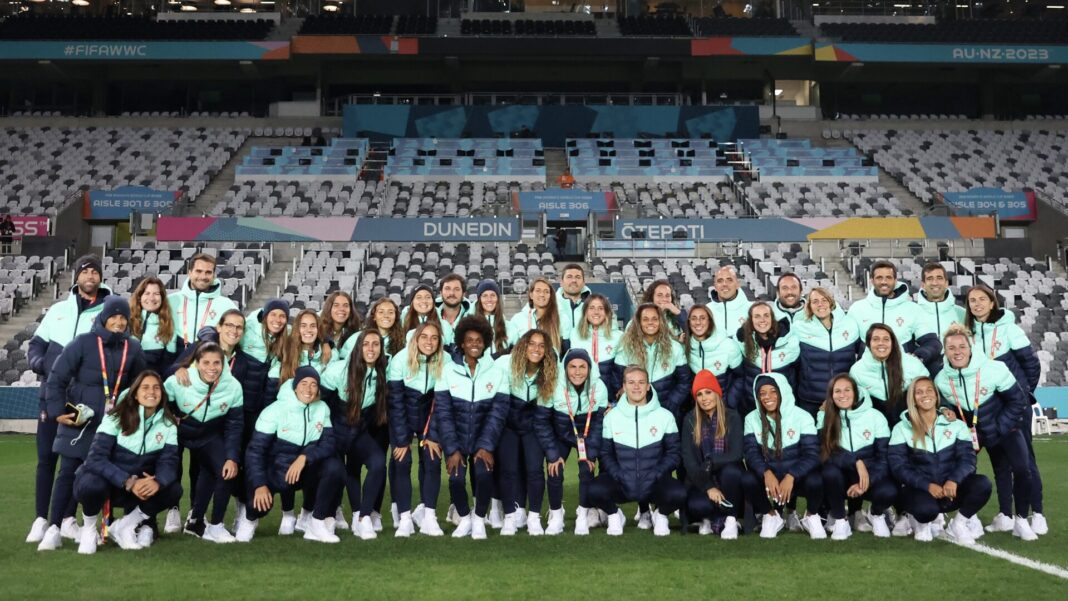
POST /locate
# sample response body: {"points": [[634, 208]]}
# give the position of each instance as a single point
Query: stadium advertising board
{"points": [[103, 50], [1017, 205], [117, 204], [943, 53], [30, 225], [338, 229], [562, 205]]}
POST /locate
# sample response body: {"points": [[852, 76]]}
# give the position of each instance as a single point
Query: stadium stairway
{"points": [[223, 180], [286, 256], [285, 30], [555, 163], [607, 28]]}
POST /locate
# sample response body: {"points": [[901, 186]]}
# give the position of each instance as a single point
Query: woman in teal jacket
{"points": [[711, 348], [932, 457], [133, 463], [782, 451], [210, 424], [539, 313], [152, 323], [768, 346], [853, 441], [356, 393], [885, 372], [598, 334]]}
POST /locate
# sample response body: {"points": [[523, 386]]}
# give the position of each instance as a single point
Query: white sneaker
{"points": [[976, 527], [478, 527], [339, 519], [376, 521], [596, 518], [771, 525], [661, 527], [1022, 530], [1001, 523], [317, 531], [145, 537], [878, 525], [453, 516], [405, 527], [615, 523], [902, 527], [88, 540], [814, 525], [428, 525], [496, 514], [842, 530], [922, 533], [958, 531], [582, 521], [367, 528], [417, 514], [534, 524], [124, 531], [829, 524], [331, 525], [521, 518], [37, 530], [51, 540], [246, 530], [288, 525], [1038, 524], [354, 525], [706, 528], [730, 529], [303, 519], [862, 521], [239, 514], [793, 523], [69, 529], [645, 520], [938, 526], [393, 515], [556, 522], [463, 529], [173, 523], [509, 529], [217, 533]]}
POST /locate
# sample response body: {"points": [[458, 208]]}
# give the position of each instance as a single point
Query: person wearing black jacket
{"points": [[712, 453]]}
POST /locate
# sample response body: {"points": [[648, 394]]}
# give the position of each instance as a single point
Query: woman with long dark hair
{"points": [[853, 441], [357, 397], [489, 303], [133, 463], [339, 320], [152, 323], [662, 294], [885, 372], [541, 313], [712, 349], [767, 347], [384, 316]]}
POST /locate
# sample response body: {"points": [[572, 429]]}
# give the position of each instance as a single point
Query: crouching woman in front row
{"points": [[934, 460], [781, 449], [293, 447], [133, 462]]}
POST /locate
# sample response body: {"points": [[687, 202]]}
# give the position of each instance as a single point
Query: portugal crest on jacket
{"points": [[984, 391], [791, 433], [489, 388], [319, 426], [867, 435], [159, 437], [223, 406], [653, 431], [900, 321]]}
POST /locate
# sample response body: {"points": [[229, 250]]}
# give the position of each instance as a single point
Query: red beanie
{"points": [[706, 380]]}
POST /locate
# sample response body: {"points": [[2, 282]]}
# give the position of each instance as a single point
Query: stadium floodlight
{"points": [[189, 7], [247, 10], [330, 8], [80, 2], [222, 3]]}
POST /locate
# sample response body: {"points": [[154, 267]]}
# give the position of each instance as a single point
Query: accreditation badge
{"points": [[580, 442]]}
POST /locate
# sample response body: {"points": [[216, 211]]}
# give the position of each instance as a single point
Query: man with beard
{"points": [[200, 302], [66, 319], [788, 300], [888, 302], [452, 307], [570, 297], [729, 305]]}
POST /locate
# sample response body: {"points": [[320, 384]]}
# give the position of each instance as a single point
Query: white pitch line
{"points": [[1046, 568]]}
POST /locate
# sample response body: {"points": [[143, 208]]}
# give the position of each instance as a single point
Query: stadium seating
{"points": [[42, 168], [79, 27], [796, 160], [731, 27], [528, 27], [993, 31], [468, 159], [23, 277], [416, 25], [823, 200], [343, 157], [655, 25], [694, 200], [347, 24], [930, 162], [634, 160]]}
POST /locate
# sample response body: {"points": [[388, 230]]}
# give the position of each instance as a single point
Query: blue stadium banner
{"points": [[562, 205], [713, 230], [445, 229], [117, 204], [103, 50], [1016, 205], [943, 53]]}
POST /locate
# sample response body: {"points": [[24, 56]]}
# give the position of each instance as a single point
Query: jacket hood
{"points": [[740, 297], [113, 305], [625, 408], [977, 362], [898, 296], [779, 381], [213, 291]]}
